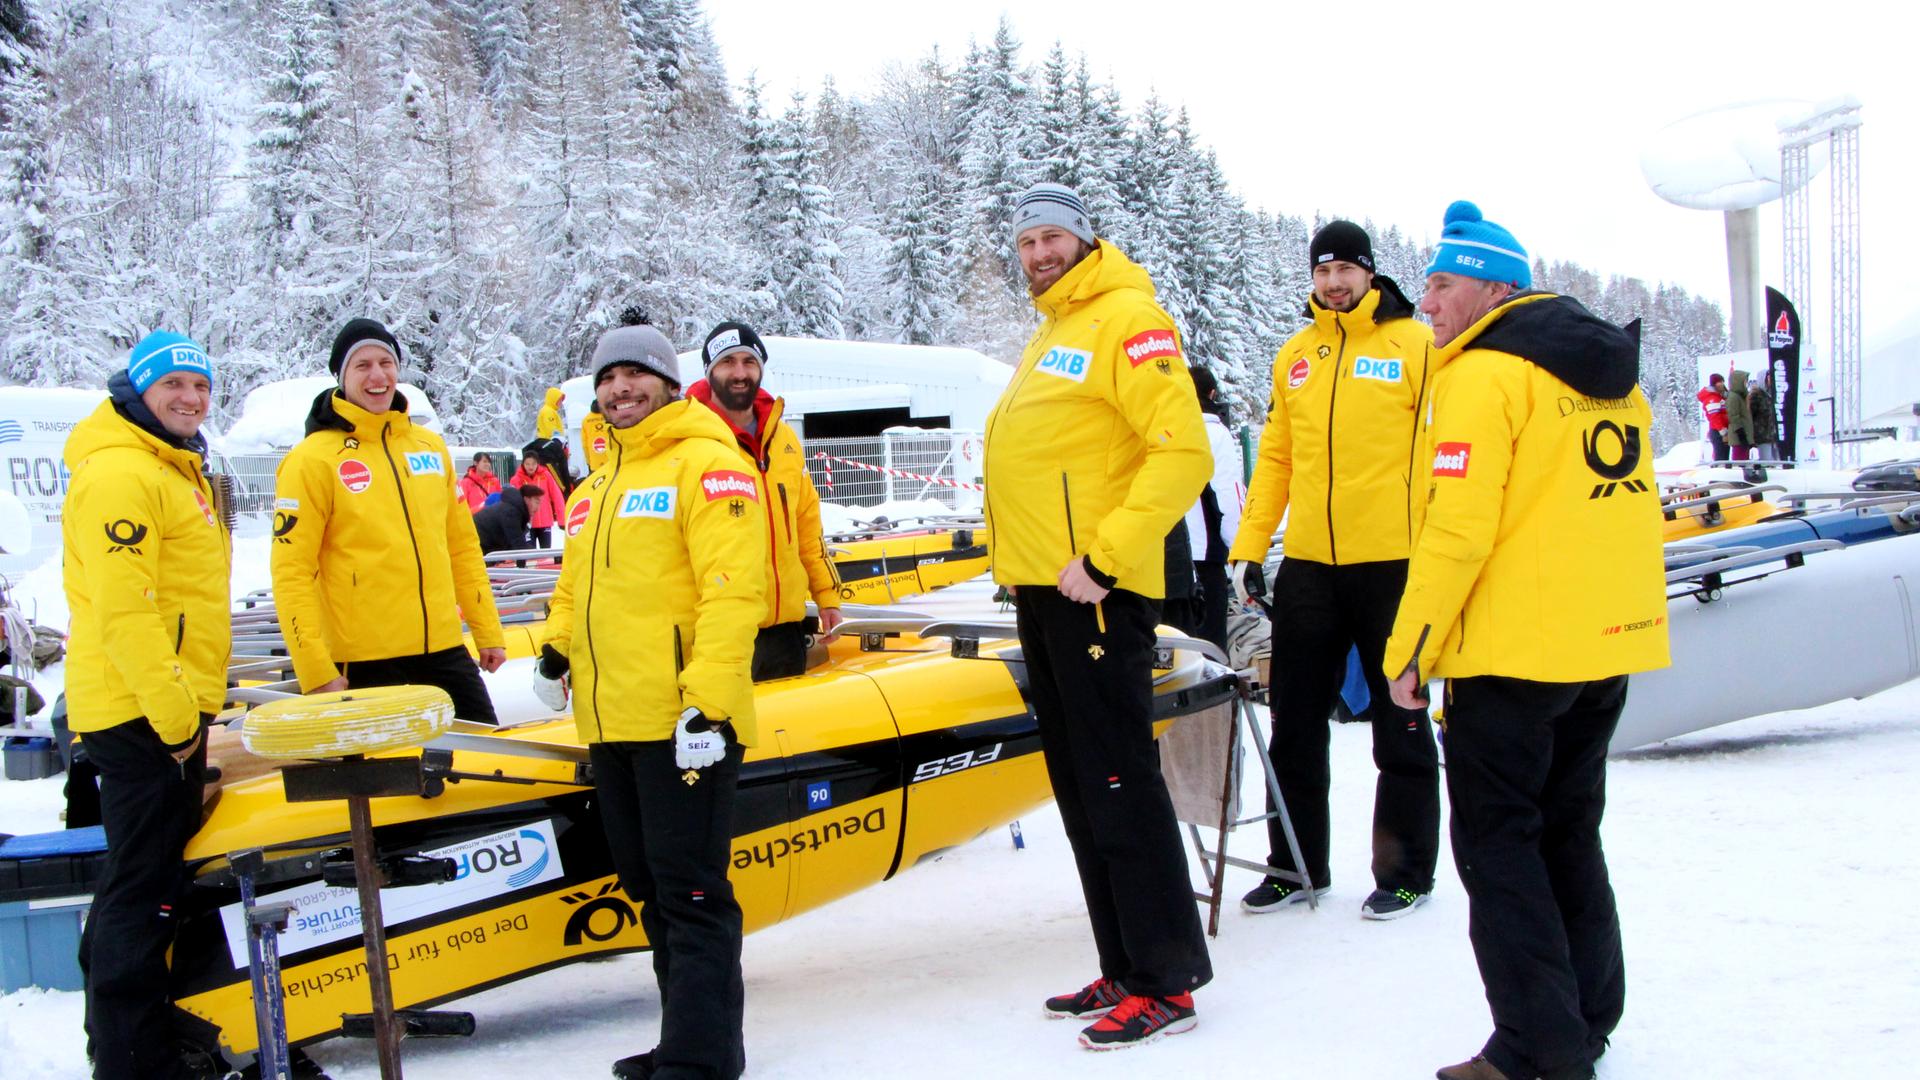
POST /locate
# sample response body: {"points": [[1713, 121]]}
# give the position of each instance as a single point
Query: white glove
{"points": [[1237, 575], [697, 743], [552, 691]]}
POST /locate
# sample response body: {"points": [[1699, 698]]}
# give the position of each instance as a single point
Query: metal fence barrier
{"points": [[924, 457]]}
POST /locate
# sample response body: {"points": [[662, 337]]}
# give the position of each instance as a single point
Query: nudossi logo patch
{"points": [[727, 484], [1450, 459], [1150, 345]]}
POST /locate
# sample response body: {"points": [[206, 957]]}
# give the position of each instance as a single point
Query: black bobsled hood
{"points": [[324, 417], [1588, 353], [1393, 302], [516, 504]]}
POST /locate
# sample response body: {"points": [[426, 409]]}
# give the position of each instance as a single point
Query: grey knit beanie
{"points": [[641, 346], [1052, 204]]}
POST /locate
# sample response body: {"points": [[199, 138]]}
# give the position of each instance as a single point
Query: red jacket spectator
{"points": [[533, 471], [1713, 402], [479, 483]]}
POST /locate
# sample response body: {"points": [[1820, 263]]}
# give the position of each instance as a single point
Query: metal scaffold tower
{"points": [[1838, 125]]}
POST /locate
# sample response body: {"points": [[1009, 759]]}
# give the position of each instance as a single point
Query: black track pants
{"points": [[1320, 612], [452, 670], [1527, 779], [780, 651], [150, 805], [1092, 691], [671, 842], [1215, 593]]}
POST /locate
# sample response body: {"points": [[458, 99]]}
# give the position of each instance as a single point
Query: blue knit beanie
{"points": [[162, 353], [1474, 247], [1052, 204]]}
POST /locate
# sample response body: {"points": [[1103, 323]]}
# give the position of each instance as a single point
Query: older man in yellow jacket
{"points": [[653, 622], [147, 560], [1536, 587], [1334, 459], [375, 559], [1093, 454]]}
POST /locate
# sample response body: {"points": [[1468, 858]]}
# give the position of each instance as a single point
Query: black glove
{"points": [[552, 664]]}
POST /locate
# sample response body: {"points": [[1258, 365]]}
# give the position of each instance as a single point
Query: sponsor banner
{"points": [[425, 463], [1150, 345], [727, 484], [489, 866], [1297, 374], [655, 502], [205, 510], [355, 476], [1450, 459], [1783, 360], [1070, 364], [1367, 367]]}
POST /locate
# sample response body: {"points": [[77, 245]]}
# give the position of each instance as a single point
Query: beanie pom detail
{"points": [[1462, 210]]}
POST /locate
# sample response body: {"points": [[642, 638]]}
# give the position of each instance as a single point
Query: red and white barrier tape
{"points": [[826, 457]]}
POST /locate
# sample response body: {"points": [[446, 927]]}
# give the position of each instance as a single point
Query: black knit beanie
{"points": [[729, 336], [1343, 241], [359, 332]]}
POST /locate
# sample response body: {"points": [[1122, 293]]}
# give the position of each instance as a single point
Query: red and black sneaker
{"points": [[1095, 999], [1139, 1020]]}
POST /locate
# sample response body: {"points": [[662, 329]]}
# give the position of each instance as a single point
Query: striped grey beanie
{"points": [[1052, 204]]}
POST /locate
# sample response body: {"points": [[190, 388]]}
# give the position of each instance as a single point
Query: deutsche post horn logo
{"points": [[1618, 470], [283, 523], [585, 921], [125, 534]]}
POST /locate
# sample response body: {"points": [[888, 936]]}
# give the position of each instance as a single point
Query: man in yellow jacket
{"points": [[548, 423], [147, 561], [1093, 454], [375, 559], [653, 622], [594, 443], [1536, 587], [798, 566], [1334, 460]]}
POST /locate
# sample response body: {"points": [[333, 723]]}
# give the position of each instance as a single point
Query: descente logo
{"points": [[726, 483], [1150, 345], [1450, 459]]}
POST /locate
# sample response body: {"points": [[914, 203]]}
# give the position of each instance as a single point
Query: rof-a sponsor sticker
{"points": [[355, 476], [1150, 345], [1070, 364], [655, 502], [1368, 367], [425, 463], [1450, 459], [1297, 374], [727, 484], [577, 517]]}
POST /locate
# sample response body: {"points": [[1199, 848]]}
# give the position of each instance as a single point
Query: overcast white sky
{"points": [[1391, 110]]}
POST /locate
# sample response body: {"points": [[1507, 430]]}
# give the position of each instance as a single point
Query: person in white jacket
{"points": [[1215, 519]]}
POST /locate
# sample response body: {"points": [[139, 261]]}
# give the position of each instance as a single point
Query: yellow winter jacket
{"points": [[797, 557], [1340, 437], [1538, 545], [548, 423], [374, 551], [593, 440], [1096, 447], [664, 582], [147, 563]]}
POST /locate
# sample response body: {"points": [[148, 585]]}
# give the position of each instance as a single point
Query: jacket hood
{"points": [[1104, 270], [1588, 353], [553, 397], [331, 411], [1384, 303], [1737, 382], [671, 423], [127, 402], [108, 428]]}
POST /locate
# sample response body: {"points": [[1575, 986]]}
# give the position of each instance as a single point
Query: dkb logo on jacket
{"points": [[425, 463], [1067, 363], [647, 502]]}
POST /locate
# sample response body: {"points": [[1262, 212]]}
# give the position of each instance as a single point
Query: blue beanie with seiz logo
{"points": [[1471, 246]]}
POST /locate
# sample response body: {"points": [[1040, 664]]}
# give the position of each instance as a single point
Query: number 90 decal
{"points": [[947, 765]]}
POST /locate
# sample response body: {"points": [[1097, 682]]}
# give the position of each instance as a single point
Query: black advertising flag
{"points": [[1783, 361]]}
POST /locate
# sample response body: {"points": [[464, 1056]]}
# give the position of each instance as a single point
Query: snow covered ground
{"points": [[1762, 884], [1760, 870]]}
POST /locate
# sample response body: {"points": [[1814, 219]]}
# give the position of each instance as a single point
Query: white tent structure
{"points": [[848, 388]]}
